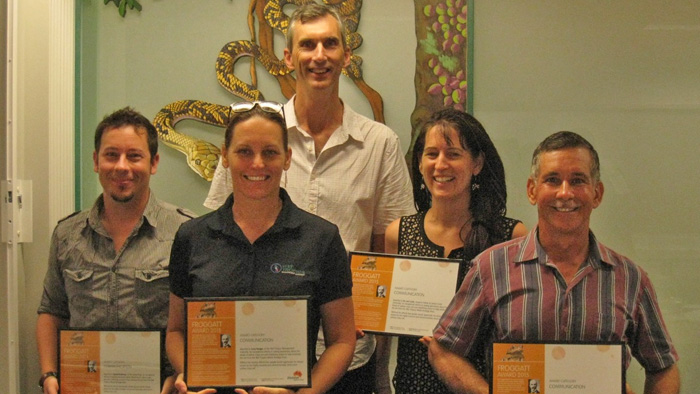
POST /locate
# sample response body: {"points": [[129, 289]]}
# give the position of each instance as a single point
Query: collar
{"points": [[531, 251], [350, 128], [149, 217], [221, 220]]}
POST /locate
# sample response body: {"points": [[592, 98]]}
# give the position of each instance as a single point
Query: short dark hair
{"points": [[488, 202], [127, 116], [564, 140], [310, 12], [240, 117]]}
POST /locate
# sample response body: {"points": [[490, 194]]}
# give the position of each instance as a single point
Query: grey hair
{"points": [[564, 140], [310, 12]]}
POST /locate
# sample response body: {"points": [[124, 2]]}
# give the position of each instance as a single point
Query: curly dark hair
{"points": [[488, 201]]}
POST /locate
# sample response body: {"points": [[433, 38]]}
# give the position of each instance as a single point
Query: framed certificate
{"points": [[558, 368], [246, 342], [109, 361], [401, 295]]}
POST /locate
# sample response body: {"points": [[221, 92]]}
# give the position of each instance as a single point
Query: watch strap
{"points": [[43, 377]]}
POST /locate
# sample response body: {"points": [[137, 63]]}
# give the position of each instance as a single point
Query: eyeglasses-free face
{"points": [[124, 164]]}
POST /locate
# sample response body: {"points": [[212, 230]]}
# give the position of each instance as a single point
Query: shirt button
{"points": [[312, 207]]}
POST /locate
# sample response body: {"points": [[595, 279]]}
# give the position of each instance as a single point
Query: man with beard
{"points": [[108, 266]]}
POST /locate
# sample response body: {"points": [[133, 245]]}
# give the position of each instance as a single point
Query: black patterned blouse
{"points": [[413, 374]]}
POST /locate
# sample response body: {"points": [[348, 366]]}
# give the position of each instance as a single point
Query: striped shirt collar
{"points": [[532, 251]]}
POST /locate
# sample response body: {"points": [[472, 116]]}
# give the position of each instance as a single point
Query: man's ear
{"points": [[599, 189], [531, 191], [154, 163], [288, 59], [348, 55]]}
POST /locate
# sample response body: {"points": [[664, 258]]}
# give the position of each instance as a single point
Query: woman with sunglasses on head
{"points": [[233, 250], [460, 194]]}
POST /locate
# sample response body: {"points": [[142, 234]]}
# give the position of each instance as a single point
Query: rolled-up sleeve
{"points": [[466, 318], [54, 299], [652, 345]]}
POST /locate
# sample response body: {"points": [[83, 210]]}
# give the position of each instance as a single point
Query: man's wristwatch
{"points": [[43, 377]]}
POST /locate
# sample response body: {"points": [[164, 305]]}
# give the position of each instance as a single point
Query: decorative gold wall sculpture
{"points": [[202, 156]]}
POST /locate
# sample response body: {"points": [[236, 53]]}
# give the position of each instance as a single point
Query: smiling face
{"points": [[447, 167], [256, 159], [565, 192], [124, 164], [317, 54]]}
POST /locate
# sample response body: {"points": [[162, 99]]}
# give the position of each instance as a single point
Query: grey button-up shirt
{"points": [[93, 286]]}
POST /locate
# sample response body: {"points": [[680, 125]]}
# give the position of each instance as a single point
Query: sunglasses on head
{"points": [[267, 106]]}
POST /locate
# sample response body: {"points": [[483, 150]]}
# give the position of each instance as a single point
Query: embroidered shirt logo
{"points": [[288, 269]]}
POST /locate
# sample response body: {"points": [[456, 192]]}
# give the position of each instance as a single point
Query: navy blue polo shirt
{"points": [[301, 254]]}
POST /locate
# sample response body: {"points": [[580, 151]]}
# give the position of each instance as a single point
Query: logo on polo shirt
{"points": [[288, 269]]}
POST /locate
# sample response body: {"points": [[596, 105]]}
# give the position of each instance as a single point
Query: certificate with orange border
{"points": [[247, 342], [109, 361], [401, 295], [558, 368]]}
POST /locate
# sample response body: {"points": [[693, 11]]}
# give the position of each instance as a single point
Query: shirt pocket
{"points": [[82, 300], [152, 296]]}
